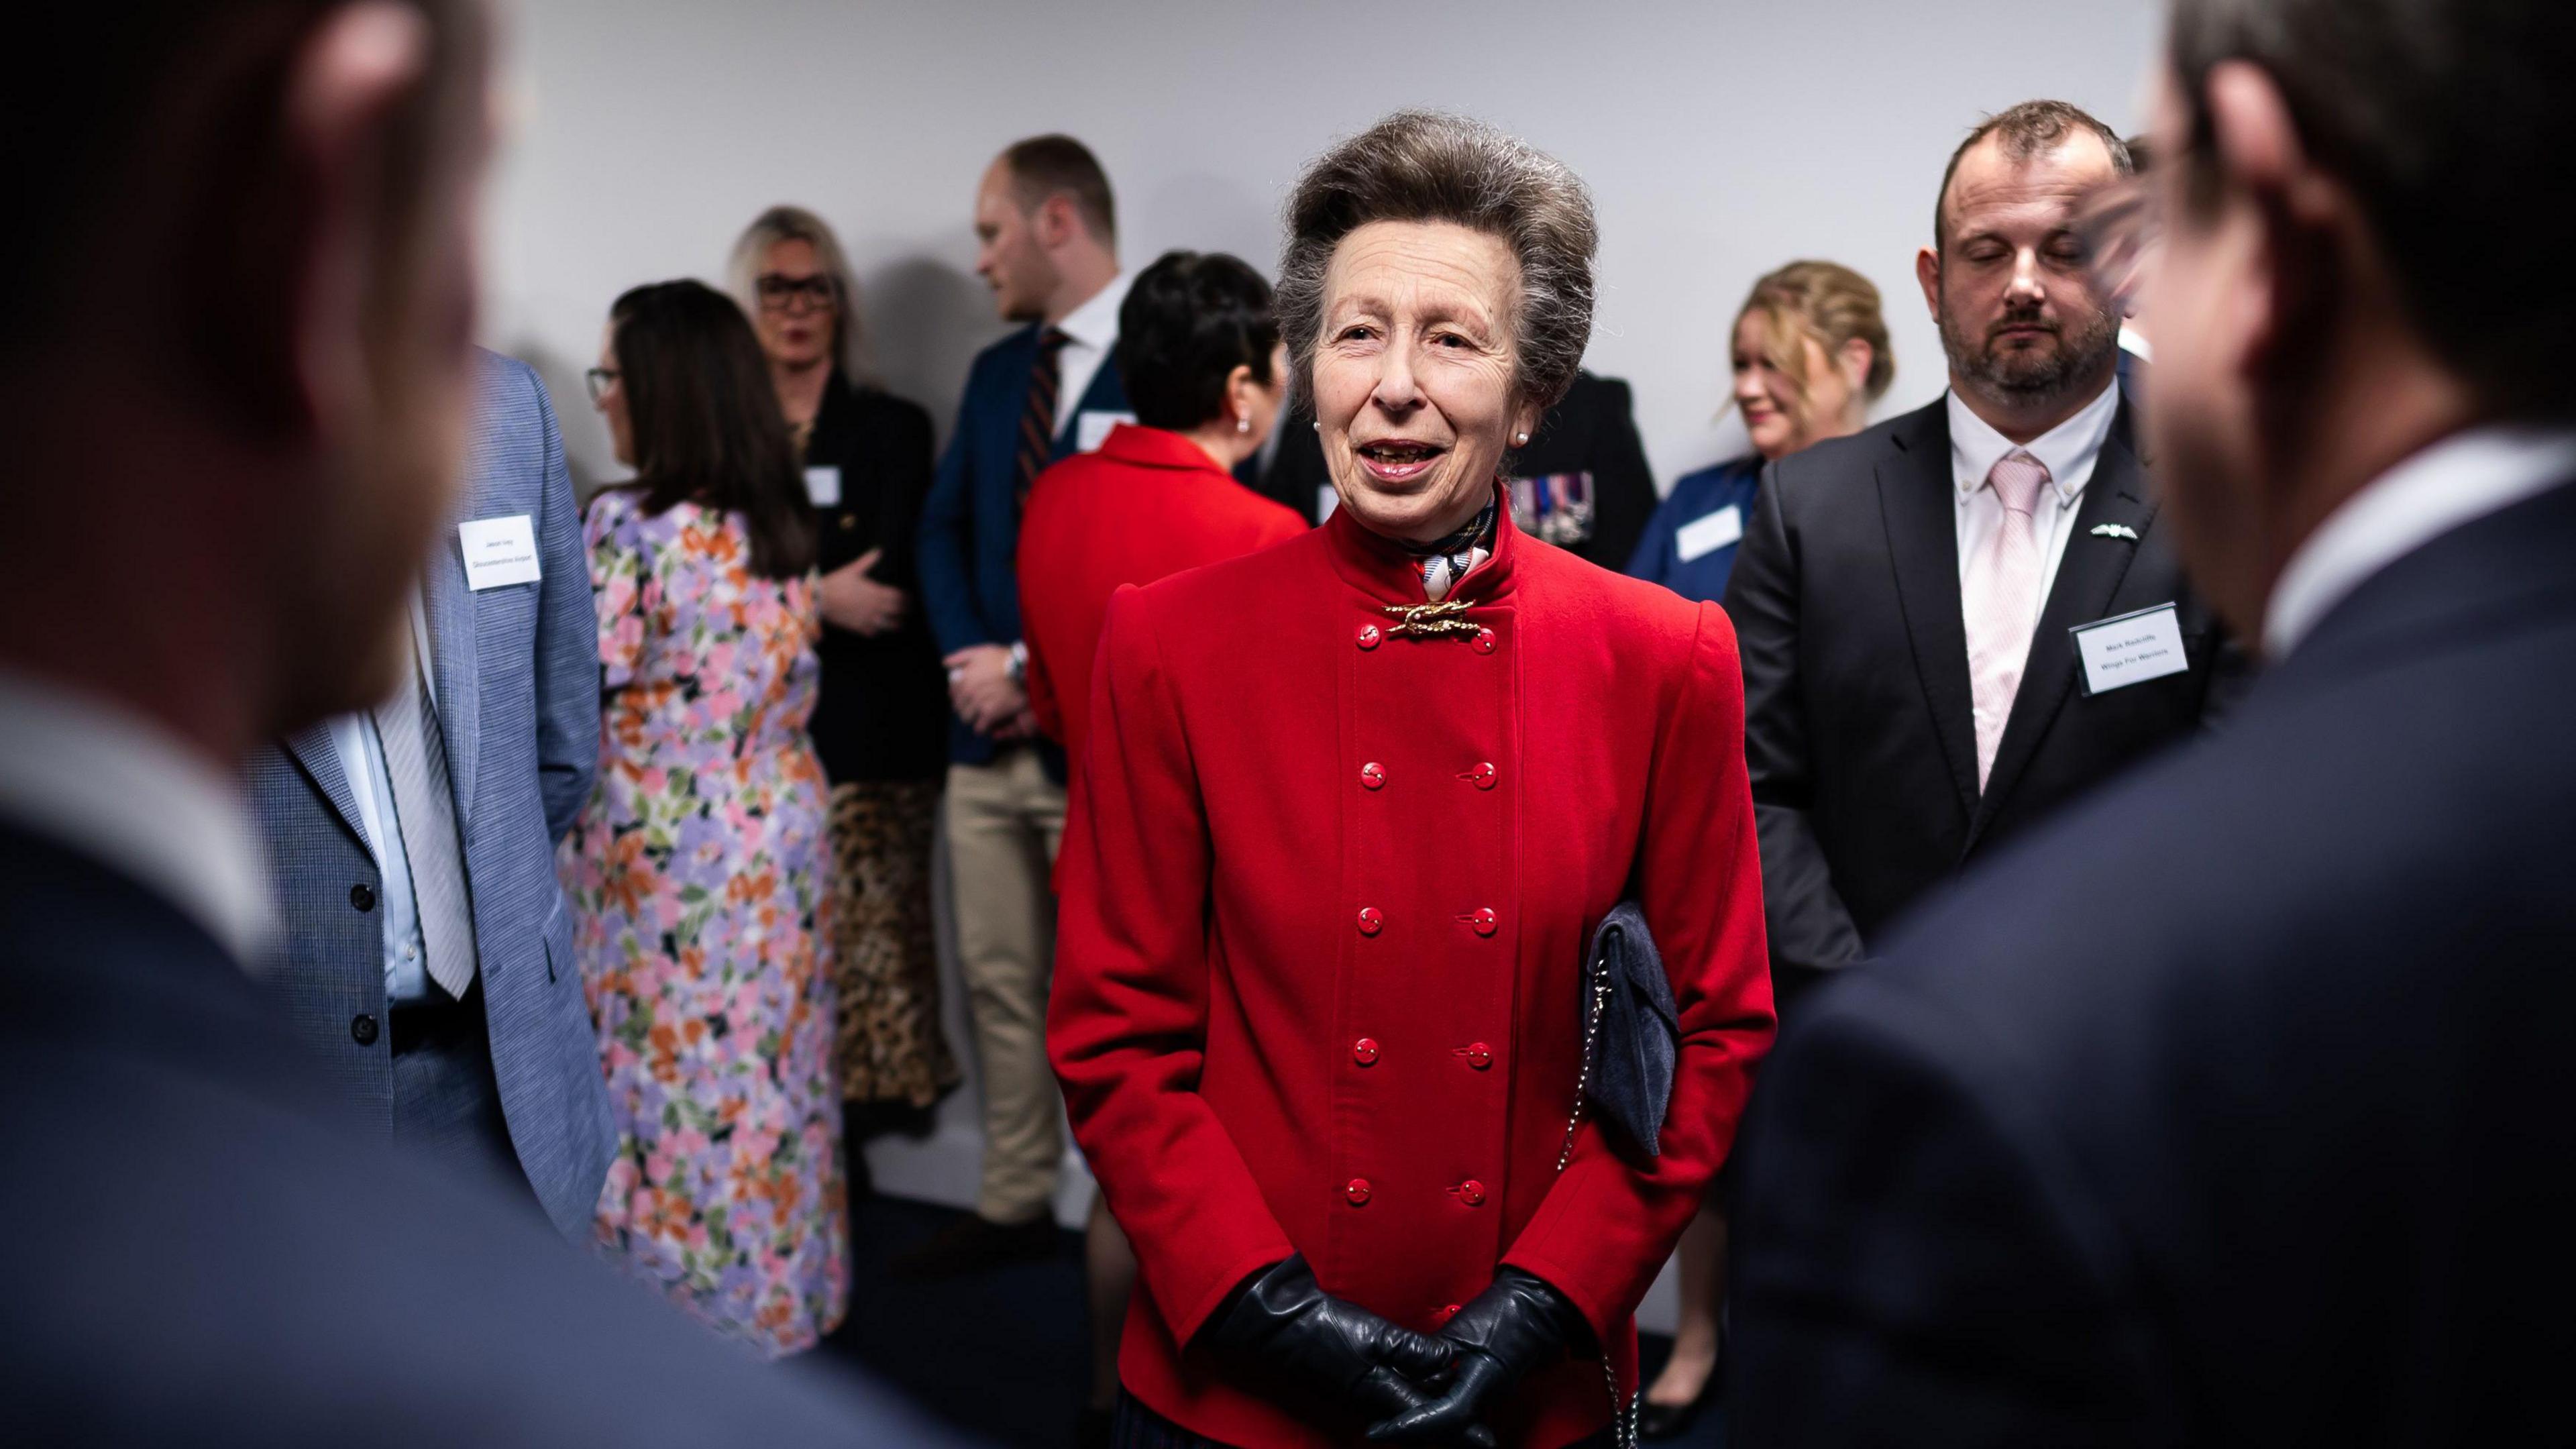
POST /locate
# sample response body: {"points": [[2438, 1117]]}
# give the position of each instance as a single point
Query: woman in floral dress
{"points": [[699, 868]]}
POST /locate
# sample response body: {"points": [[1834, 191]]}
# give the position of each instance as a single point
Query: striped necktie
{"points": [[1037, 420], [425, 814]]}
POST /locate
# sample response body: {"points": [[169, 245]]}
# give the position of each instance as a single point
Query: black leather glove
{"points": [[1319, 1354], [1518, 1325]]}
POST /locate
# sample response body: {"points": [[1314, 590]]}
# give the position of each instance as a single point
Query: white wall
{"points": [[1721, 138]]}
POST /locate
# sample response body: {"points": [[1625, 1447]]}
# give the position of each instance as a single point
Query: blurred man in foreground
{"points": [[2234, 1107], [234, 367]]}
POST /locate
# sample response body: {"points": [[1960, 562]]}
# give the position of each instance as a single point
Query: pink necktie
{"points": [[1999, 596]]}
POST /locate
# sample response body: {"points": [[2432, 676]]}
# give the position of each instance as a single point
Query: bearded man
{"points": [[1916, 604]]}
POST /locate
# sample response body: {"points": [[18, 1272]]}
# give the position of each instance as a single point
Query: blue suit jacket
{"points": [[212, 1252], [2232, 1108], [517, 676], [1697, 496], [970, 526]]}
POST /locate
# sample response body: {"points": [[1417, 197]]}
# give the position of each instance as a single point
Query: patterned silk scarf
{"points": [[1447, 559]]}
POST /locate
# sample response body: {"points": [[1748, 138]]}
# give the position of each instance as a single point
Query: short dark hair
{"points": [[2419, 106], [1188, 322], [1045, 166], [2025, 131], [706, 421], [89, 93]]}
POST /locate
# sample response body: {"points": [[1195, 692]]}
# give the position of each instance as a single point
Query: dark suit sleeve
{"points": [[567, 662], [947, 574], [909, 468], [1811, 930], [1623, 484], [1914, 1262]]}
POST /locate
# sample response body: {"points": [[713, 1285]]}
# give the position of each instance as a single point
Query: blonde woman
{"points": [[881, 718], [1810, 355]]}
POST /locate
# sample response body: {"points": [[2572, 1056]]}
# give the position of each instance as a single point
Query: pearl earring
{"points": [[1520, 440], [1243, 424]]}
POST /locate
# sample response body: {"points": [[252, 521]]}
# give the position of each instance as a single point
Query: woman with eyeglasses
{"points": [[698, 871], [881, 721]]}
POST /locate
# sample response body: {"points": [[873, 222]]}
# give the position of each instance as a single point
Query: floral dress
{"points": [[697, 874]]}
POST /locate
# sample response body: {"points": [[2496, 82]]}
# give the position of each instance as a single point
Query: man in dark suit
{"points": [[426, 955], [2234, 1107], [233, 362], [1049, 233], [1582, 482], [1909, 600]]}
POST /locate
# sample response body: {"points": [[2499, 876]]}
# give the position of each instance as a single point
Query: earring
{"points": [[1317, 425], [1243, 424], [1520, 440]]}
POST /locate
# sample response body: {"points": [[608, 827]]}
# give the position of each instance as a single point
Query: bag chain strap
{"points": [[1623, 1410]]}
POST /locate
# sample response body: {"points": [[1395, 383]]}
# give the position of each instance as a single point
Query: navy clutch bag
{"points": [[1631, 1033]]}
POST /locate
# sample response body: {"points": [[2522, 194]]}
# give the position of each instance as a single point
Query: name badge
{"points": [[823, 485], [2130, 649], [1710, 532], [499, 551], [1090, 430]]}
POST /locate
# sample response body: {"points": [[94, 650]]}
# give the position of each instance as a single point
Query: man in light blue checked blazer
{"points": [[426, 952]]}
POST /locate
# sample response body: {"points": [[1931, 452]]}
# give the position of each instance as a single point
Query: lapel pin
{"points": [[2115, 530]]}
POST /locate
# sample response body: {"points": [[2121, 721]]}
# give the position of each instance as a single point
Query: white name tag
{"points": [[1090, 430], [823, 485], [499, 551], [1710, 532], [2130, 649]]}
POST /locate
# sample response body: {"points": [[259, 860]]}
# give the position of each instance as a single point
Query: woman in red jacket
{"points": [[1199, 352], [1352, 808]]}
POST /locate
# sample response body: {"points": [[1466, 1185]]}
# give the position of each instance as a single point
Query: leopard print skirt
{"points": [[891, 1048]]}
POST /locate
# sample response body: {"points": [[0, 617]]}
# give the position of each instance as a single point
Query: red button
{"points": [[1372, 920], [1357, 1190], [1364, 1051], [1472, 1193], [1368, 636], [1485, 641], [1479, 1055], [1373, 775], [1484, 920], [1447, 1312], [1484, 775]]}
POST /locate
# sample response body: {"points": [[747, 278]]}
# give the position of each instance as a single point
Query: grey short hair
{"points": [[795, 223], [2420, 106], [1431, 166]]}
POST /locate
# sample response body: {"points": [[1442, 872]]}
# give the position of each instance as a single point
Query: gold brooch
{"points": [[1423, 621]]}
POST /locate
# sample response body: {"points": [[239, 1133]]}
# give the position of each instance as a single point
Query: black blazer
{"points": [[2236, 1106], [1593, 431], [212, 1253], [1863, 755], [882, 713]]}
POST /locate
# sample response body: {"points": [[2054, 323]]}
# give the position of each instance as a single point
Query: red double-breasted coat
{"points": [[1323, 923]]}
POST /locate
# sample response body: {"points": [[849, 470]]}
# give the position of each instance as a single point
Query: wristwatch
{"points": [[1020, 662]]}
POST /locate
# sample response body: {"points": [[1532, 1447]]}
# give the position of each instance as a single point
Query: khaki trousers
{"points": [[1005, 821]]}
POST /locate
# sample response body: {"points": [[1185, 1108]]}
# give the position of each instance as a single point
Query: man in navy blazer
{"points": [[2234, 1107], [1048, 228], [226, 470], [498, 1066]]}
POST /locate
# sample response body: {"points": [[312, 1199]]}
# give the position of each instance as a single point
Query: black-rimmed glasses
{"points": [[599, 380], [782, 293]]}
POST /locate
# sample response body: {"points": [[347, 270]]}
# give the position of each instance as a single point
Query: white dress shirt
{"points": [[362, 760], [109, 783], [2068, 451], [1093, 326], [2462, 478]]}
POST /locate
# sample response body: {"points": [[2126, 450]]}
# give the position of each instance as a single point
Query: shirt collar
{"points": [[1095, 323], [2463, 477], [111, 784], [2067, 450]]}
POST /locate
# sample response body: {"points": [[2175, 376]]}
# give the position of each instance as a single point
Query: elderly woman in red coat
{"points": [[1352, 808]]}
